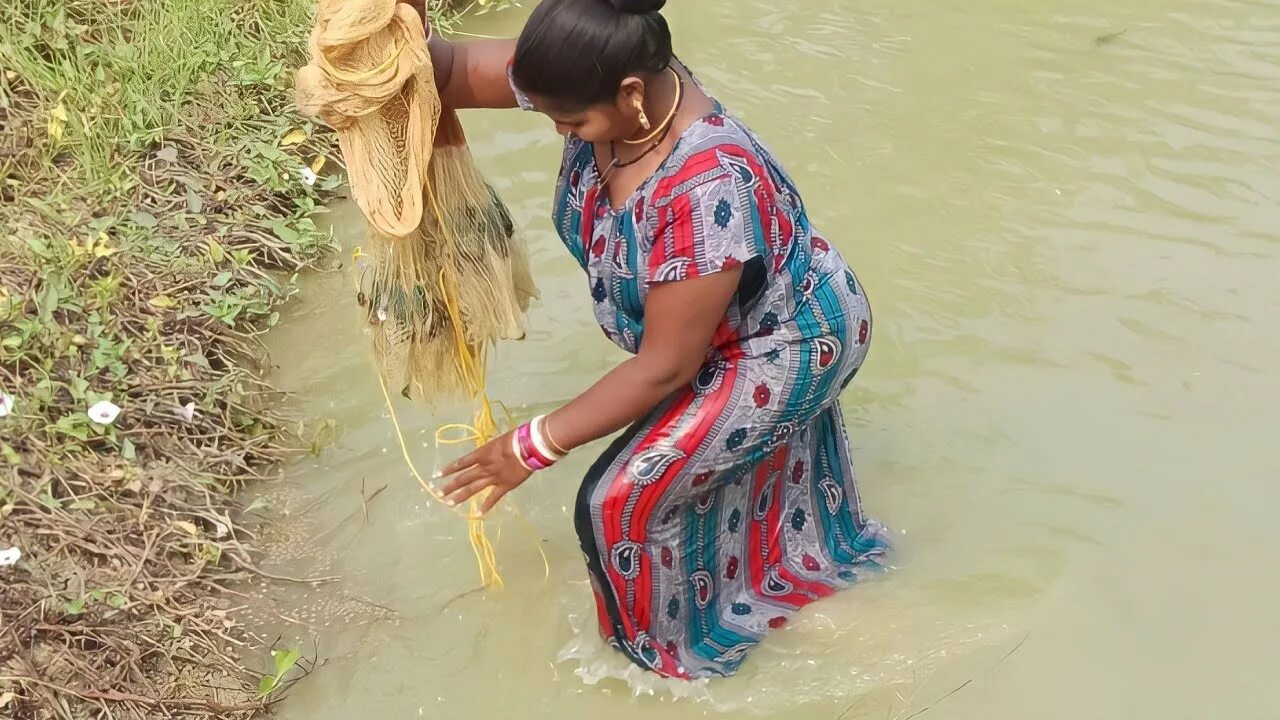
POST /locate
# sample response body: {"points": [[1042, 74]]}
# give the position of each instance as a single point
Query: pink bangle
{"points": [[529, 453], [515, 450]]}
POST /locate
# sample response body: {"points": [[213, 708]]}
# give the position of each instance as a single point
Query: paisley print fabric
{"points": [[732, 504]]}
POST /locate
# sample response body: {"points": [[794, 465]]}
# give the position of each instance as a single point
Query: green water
{"points": [[1072, 246]]}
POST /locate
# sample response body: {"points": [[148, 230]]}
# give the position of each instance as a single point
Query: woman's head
{"points": [[585, 63]]}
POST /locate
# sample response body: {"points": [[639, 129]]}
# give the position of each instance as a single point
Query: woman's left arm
{"points": [[681, 318]]}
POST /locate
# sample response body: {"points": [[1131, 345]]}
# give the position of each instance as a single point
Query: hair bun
{"points": [[638, 7]]}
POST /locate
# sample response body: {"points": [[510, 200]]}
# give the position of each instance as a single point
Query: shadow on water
{"points": [[1067, 220]]}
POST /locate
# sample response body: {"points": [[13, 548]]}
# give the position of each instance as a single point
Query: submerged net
{"points": [[442, 274]]}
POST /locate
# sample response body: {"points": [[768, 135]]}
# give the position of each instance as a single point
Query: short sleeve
{"points": [[707, 223], [521, 99]]}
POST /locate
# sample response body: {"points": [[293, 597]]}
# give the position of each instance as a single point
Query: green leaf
{"points": [[75, 607], [117, 601], [13, 457], [266, 685], [50, 501], [74, 425], [127, 450], [212, 553], [47, 303], [216, 253], [221, 279], [285, 660], [195, 203], [145, 219], [83, 504], [284, 232]]}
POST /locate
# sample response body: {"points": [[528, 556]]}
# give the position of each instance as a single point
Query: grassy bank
{"points": [[156, 194]]}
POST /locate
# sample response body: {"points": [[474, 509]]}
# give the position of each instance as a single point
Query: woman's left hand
{"points": [[492, 465]]}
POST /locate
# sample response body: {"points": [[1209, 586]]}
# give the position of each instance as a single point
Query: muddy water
{"points": [[1071, 238]]}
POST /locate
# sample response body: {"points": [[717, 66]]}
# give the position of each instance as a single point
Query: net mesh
{"points": [[444, 275]]}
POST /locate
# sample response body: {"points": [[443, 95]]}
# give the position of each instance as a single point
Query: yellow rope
{"points": [[480, 545]]}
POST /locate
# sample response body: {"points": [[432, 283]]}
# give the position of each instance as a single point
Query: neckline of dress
{"points": [[717, 110]]}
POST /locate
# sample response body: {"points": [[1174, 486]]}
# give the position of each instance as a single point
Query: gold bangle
{"points": [[546, 435]]}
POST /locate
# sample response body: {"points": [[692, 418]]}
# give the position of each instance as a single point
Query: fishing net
{"points": [[442, 274]]}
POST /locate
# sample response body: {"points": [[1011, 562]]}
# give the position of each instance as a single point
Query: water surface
{"points": [[1067, 217]]}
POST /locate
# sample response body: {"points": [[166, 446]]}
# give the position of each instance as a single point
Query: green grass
{"points": [[122, 75], [151, 218], [126, 75]]}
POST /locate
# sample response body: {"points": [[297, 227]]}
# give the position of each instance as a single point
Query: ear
{"points": [[630, 92]]}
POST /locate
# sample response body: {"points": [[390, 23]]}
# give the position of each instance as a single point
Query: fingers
{"points": [[489, 466], [467, 477], [461, 464], [492, 500], [469, 491]]}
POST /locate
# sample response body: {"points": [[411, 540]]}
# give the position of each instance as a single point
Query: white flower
{"points": [[308, 176], [10, 557], [186, 412], [104, 412], [6, 404]]}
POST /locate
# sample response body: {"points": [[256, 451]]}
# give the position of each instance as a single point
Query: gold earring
{"points": [[644, 119]]}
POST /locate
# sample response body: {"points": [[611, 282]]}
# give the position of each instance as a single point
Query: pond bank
{"points": [[157, 191]]}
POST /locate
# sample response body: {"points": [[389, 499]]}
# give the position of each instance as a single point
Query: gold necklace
{"points": [[670, 115], [663, 132]]}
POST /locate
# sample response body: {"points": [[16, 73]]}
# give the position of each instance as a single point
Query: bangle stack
{"points": [[534, 447]]}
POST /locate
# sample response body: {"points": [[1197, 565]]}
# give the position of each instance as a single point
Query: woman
{"points": [[729, 503]]}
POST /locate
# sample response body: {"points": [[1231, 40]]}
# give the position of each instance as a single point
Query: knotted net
{"points": [[444, 275]]}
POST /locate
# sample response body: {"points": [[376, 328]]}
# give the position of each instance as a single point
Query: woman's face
{"points": [[595, 124], [599, 123]]}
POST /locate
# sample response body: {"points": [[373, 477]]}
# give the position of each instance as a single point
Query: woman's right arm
{"points": [[472, 74]]}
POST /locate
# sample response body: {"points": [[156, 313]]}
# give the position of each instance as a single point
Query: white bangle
{"points": [[540, 440]]}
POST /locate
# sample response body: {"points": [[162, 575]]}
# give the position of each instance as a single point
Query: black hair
{"points": [[576, 53]]}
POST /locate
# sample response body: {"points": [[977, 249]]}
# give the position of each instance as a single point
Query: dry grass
{"points": [[151, 212]]}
